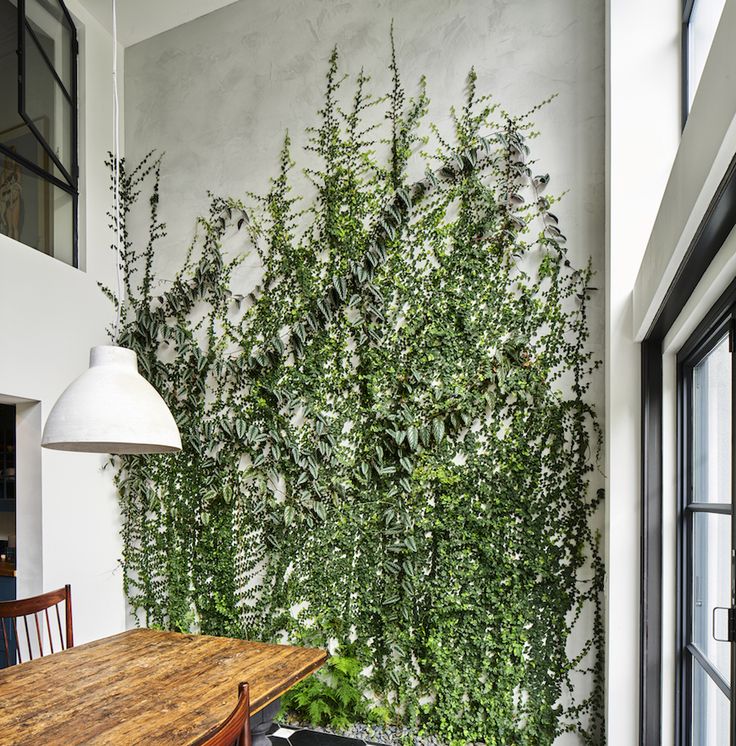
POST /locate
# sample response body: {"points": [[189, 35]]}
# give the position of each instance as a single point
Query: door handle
{"points": [[731, 629]]}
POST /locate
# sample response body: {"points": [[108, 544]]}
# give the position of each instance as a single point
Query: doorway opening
{"points": [[8, 494]]}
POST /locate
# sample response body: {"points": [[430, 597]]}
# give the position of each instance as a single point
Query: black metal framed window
{"points": [[699, 21], [706, 596], [717, 224], [39, 169]]}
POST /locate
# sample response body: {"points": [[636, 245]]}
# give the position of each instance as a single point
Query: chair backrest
{"points": [[28, 628], [235, 730]]}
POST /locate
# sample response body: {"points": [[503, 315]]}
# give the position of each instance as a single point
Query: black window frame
{"points": [[718, 323], [687, 14], [70, 182], [688, 6], [716, 225]]}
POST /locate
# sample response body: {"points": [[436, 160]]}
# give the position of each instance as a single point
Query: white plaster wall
{"points": [[141, 19], [660, 187], [217, 94], [708, 145], [643, 126], [51, 314], [663, 208]]}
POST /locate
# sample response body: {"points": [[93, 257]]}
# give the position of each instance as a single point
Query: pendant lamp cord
{"points": [[116, 167]]}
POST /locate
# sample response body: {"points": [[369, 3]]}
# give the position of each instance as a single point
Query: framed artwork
{"points": [[26, 209]]}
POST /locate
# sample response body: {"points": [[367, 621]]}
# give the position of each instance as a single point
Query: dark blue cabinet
{"points": [[7, 589], [7, 593]]}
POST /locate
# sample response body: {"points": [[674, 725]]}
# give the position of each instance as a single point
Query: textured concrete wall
{"points": [[217, 94]]}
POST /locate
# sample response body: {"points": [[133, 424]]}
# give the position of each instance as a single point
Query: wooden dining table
{"points": [[148, 687]]}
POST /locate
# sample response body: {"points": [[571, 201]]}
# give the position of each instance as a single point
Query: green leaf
{"points": [[289, 515], [423, 312]]}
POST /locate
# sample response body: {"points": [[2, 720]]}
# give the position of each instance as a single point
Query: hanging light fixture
{"points": [[111, 408]]}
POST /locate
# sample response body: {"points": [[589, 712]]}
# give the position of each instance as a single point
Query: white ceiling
{"points": [[141, 19]]}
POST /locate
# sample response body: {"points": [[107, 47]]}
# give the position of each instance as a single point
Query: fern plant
{"points": [[334, 696]]}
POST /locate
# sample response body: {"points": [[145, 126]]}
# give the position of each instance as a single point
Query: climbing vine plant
{"points": [[387, 443]]}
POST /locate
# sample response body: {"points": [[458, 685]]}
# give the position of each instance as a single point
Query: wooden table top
{"points": [[129, 688]]}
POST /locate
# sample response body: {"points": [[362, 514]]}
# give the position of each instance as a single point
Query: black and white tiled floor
{"points": [[289, 737]]}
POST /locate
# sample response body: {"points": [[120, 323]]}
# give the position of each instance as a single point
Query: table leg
{"points": [[261, 722]]}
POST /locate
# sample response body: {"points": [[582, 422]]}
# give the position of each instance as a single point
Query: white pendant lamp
{"points": [[111, 408]]}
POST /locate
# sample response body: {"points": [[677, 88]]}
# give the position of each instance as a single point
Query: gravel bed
{"points": [[380, 735]]}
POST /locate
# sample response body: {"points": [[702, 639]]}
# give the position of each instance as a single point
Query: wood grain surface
{"points": [[143, 687]]}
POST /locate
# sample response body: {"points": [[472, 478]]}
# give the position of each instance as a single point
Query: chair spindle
{"points": [[12, 611]]}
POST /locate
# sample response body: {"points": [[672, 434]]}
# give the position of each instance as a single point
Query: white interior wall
{"points": [[659, 210], [52, 314], [141, 19], [643, 132], [707, 147]]}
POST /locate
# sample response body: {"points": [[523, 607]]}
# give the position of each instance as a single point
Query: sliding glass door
{"points": [[707, 599]]}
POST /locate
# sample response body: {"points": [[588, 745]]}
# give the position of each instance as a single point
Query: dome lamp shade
{"points": [[111, 408]]}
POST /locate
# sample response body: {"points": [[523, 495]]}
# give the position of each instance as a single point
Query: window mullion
{"points": [[51, 220], [23, 79], [721, 508], [49, 150], [48, 62], [709, 669], [732, 351], [37, 170], [687, 10]]}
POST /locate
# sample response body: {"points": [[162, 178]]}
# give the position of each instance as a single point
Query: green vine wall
{"points": [[388, 446]]}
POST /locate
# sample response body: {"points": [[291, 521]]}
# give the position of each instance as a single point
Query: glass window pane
{"points": [[711, 548], [703, 25], [9, 116], [712, 426], [35, 212], [52, 29], [47, 106], [21, 141], [711, 711]]}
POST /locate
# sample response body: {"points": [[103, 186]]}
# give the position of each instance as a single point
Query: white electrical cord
{"points": [[116, 166]]}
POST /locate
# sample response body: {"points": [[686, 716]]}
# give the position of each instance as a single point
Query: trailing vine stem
{"points": [[388, 446]]}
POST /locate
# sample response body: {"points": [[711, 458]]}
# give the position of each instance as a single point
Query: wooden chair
{"points": [[235, 730], [13, 612]]}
